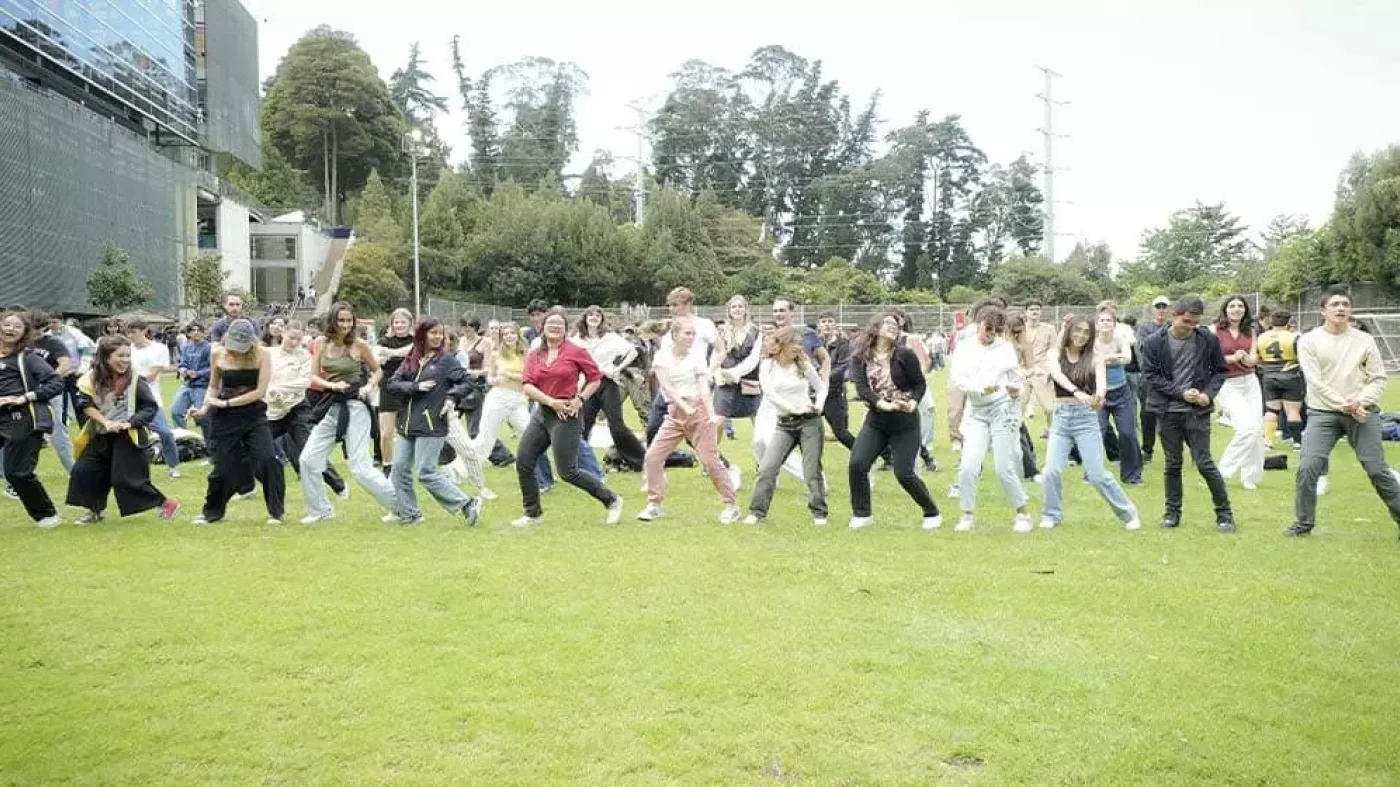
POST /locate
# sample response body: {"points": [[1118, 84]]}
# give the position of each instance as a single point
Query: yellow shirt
{"points": [[1277, 350]]}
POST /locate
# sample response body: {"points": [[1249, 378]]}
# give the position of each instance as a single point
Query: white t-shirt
{"points": [[143, 359], [688, 375]]}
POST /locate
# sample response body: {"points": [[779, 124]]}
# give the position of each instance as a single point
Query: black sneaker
{"points": [[1147, 457], [1225, 526], [1170, 522], [503, 462], [1297, 531]]}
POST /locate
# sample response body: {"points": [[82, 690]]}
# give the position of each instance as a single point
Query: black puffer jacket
{"points": [[422, 416], [39, 379]]}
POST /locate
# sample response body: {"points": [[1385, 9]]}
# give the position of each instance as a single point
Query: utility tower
{"points": [[1048, 131]]}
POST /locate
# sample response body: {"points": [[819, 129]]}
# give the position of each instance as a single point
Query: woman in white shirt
{"points": [[288, 413], [612, 353], [683, 372], [792, 385], [987, 371]]}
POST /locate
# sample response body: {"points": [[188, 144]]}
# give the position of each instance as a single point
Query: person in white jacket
{"points": [[988, 373], [792, 386], [612, 353]]}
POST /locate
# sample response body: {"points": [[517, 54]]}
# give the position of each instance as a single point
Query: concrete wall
{"points": [[314, 248], [234, 234]]}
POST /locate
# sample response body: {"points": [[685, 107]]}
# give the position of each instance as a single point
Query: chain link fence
{"points": [[1374, 306]]}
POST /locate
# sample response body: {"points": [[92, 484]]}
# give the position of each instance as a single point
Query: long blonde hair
{"points": [[781, 340], [499, 346], [733, 335]]}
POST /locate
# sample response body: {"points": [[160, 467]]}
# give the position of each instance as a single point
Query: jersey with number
{"points": [[1278, 351]]}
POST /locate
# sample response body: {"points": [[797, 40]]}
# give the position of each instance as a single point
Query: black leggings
{"points": [[837, 414], [608, 399], [900, 432], [547, 430]]}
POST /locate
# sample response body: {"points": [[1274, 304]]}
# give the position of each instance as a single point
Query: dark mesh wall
{"points": [[69, 180], [231, 77]]}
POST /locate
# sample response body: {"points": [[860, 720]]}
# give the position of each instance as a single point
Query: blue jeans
{"points": [[60, 441], [169, 451], [418, 456], [1078, 425], [318, 451], [185, 399], [1121, 403]]}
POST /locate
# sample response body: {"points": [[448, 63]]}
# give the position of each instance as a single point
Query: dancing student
{"points": [[119, 405], [430, 381], [1240, 399], [611, 353], [1161, 320], [149, 360], [1119, 400], [791, 383], [681, 302], [1038, 341], [1276, 356], [27, 385], [683, 373], [1183, 371], [765, 421], [836, 409], [505, 401], [551, 379], [966, 327], [193, 371], [1078, 376], [1016, 337], [988, 373], [890, 380], [55, 354], [1346, 380], [466, 464], [242, 452], [345, 367], [288, 412], [394, 347], [910, 338], [736, 359]]}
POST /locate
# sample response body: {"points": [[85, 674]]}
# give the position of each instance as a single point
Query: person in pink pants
{"points": [[683, 373]]}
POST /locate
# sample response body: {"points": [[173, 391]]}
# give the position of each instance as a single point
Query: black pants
{"points": [[547, 430], [1028, 468], [242, 454], [900, 432], [655, 417], [608, 399], [1149, 424], [837, 414], [111, 463], [1193, 429], [293, 429], [21, 459]]}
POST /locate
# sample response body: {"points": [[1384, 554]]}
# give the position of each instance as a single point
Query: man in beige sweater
{"points": [[1346, 379]]}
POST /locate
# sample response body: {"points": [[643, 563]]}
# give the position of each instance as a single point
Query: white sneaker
{"points": [[1395, 474], [729, 515], [272, 520], [736, 477], [311, 519], [933, 522], [1039, 478], [200, 520], [1023, 524], [651, 513], [1322, 486], [50, 522], [487, 494], [614, 511], [965, 524], [245, 496], [1046, 523], [1133, 524], [344, 494], [389, 519], [953, 491], [858, 522], [174, 472], [752, 519], [526, 521], [819, 521], [1249, 485]]}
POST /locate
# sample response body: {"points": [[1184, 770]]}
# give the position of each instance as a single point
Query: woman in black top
{"points": [[239, 373], [26, 386], [431, 381], [110, 459], [394, 346], [890, 380]]}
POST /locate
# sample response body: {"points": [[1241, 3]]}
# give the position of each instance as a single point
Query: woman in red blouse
{"points": [[551, 378], [1241, 400]]}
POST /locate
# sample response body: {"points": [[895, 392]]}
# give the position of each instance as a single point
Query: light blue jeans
{"points": [[169, 451], [996, 426], [418, 456], [1078, 425], [59, 439], [357, 449]]}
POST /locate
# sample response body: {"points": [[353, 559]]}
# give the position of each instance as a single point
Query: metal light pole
{"points": [[411, 141]]}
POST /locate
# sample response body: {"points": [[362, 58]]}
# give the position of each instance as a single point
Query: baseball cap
{"points": [[241, 336], [1161, 300]]}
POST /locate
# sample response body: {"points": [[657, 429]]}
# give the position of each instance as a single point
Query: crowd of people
{"points": [[424, 405]]}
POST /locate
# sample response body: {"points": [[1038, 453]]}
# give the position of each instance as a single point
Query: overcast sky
{"points": [[1257, 103]]}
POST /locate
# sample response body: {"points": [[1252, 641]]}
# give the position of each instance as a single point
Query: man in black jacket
{"points": [[1182, 371]]}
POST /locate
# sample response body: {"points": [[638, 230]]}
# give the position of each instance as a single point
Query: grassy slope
{"points": [[685, 652]]}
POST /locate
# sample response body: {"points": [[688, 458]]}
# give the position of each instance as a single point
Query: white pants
{"points": [[468, 462], [1243, 403], [501, 406], [926, 420], [765, 425]]}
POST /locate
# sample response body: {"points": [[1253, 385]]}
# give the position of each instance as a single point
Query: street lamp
{"points": [[412, 141]]}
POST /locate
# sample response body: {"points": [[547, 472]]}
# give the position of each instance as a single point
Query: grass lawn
{"points": [[685, 652]]}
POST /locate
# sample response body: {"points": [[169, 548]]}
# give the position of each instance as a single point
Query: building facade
{"points": [[113, 113]]}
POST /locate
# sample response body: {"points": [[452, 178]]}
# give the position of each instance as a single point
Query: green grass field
{"points": [[685, 652]]}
